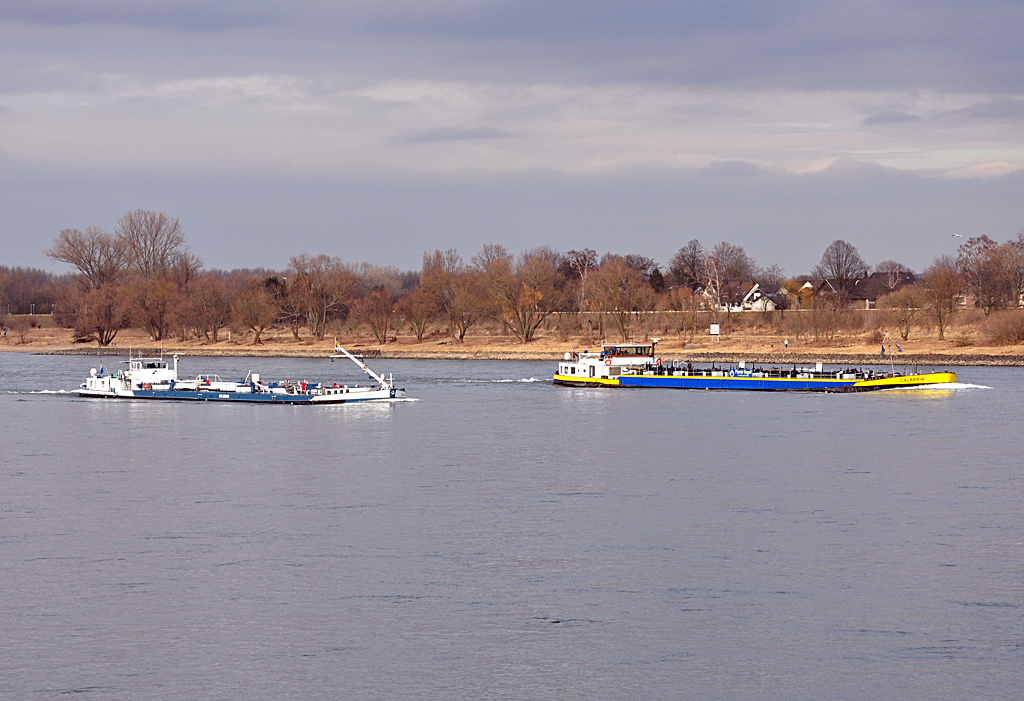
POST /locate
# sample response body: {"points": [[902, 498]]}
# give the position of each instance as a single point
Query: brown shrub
{"points": [[795, 324], [852, 321], [876, 320], [566, 326], [1005, 328], [19, 326], [969, 317]]}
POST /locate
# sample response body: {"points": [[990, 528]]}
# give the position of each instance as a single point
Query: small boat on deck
{"points": [[638, 365], [156, 378]]}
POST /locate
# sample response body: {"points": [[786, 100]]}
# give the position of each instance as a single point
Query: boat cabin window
{"points": [[628, 351], [153, 365]]}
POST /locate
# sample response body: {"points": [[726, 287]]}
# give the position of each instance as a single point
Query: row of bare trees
{"points": [[994, 273], [144, 275], [991, 274], [27, 290]]}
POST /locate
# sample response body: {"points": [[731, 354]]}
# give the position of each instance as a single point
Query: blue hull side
{"points": [[748, 383]]}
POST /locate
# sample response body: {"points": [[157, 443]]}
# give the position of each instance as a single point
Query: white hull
{"points": [[153, 378]]}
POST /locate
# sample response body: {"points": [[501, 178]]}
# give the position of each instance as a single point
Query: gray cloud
{"points": [[172, 15], [997, 110], [451, 134], [732, 168], [800, 44], [893, 117]]}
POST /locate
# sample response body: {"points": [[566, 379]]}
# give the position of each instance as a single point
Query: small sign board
{"points": [[714, 329]]}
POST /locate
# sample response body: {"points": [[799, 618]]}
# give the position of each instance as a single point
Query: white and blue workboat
{"points": [[156, 378]]}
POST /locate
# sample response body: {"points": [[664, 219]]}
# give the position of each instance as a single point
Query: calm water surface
{"points": [[501, 538]]}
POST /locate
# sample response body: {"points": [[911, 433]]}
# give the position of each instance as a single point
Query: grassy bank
{"points": [[857, 340]]}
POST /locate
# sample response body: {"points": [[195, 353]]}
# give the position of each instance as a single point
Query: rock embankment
{"points": [[695, 356]]}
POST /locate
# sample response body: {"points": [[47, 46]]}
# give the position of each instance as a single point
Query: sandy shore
{"points": [[750, 347]]}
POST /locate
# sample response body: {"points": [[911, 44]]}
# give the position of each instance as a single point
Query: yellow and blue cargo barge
{"points": [[638, 365]]}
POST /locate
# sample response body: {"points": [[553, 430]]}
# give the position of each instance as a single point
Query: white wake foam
{"points": [[497, 382], [960, 385], [939, 387]]}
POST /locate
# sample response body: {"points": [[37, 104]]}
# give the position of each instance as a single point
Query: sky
{"points": [[377, 131]]}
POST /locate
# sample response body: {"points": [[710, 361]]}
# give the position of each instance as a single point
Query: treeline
{"points": [[144, 275], [28, 290]]}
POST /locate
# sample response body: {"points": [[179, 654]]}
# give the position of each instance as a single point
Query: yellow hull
{"points": [[933, 378]]}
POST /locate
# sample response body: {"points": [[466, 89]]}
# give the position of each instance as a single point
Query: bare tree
{"points": [[208, 307], [256, 309], [715, 282], [906, 306], [770, 279], [454, 290], [490, 254], [20, 326], [524, 294], [943, 286], [734, 262], [686, 267], [153, 304], [321, 286], [98, 256], [895, 274], [692, 305], [376, 307], [102, 313], [648, 267], [186, 268], [581, 263], [980, 260], [378, 289], [621, 291], [154, 243], [290, 302], [555, 259], [841, 266], [727, 265], [1012, 258], [418, 309]]}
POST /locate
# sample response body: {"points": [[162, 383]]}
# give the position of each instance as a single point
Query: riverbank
{"points": [[737, 347]]}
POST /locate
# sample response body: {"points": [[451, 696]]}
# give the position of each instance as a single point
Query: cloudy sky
{"points": [[375, 131]]}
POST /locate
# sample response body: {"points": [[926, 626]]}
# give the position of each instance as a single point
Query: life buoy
{"points": [[658, 361], [608, 361]]}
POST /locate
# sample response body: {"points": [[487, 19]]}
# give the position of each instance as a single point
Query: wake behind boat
{"points": [[637, 365], [156, 378]]}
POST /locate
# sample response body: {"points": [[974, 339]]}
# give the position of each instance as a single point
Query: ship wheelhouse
{"points": [[145, 372], [613, 360]]}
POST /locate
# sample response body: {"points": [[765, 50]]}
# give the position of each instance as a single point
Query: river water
{"points": [[502, 538]]}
